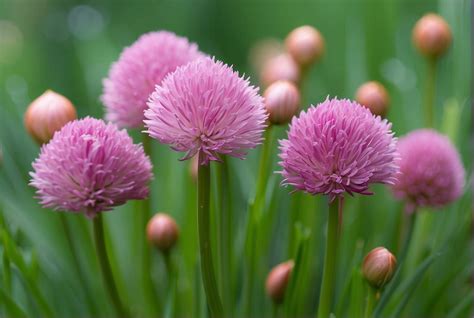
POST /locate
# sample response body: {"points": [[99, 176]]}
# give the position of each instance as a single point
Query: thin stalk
{"points": [[250, 279], [106, 268], [258, 204], [144, 215], [329, 271], [172, 282], [225, 243], [256, 212], [370, 303], [77, 264], [390, 288], [207, 266], [275, 310], [430, 92]]}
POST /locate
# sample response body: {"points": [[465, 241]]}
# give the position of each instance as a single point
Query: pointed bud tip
{"points": [[282, 101], [305, 44], [379, 266], [374, 96], [277, 281], [162, 231], [47, 114], [432, 35]]}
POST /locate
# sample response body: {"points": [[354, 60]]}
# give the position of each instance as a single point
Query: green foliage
{"points": [[365, 40]]}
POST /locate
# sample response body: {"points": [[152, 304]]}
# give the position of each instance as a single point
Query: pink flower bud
{"points": [[280, 68], [379, 266], [48, 114], [305, 44], [264, 50], [282, 100], [162, 231], [373, 96], [432, 35], [277, 281]]}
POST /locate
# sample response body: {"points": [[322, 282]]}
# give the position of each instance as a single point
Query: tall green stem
{"points": [[430, 92], [77, 264], [256, 212], [144, 215], [262, 178], [207, 266], [225, 242], [106, 268], [329, 271], [369, 306]]}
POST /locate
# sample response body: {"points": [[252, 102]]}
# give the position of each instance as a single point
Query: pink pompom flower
{"points": [[206, 107], [140, 67], [90, 166], [338, 147], [432, 174]]}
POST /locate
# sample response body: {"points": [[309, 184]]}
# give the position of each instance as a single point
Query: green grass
{"points": [[366, 40]]}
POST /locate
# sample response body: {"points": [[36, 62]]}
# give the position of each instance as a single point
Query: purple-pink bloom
{"points": [[432, 174], [90, 166], [206, 107], [338, 147], [140, 67]]}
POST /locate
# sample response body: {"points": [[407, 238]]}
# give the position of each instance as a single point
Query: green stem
{"points": [[225, 243], [172, 284], [258, 205], [390, 288], [329, 271], [430, 92], [144, 215], [106, 268], [369, 306], [207, 266], [77, 264], [274, 310], [256, 212]]}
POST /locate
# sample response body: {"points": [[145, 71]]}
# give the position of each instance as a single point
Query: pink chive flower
{"points": [[206, 107], [90, 166], [432, 174], [140, 67], [338, 147]]}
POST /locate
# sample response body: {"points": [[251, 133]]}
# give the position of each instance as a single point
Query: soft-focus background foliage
{"points": [[68, 46]]}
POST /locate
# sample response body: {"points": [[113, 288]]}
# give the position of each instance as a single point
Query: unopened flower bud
{"points": [[373, 96], [379, 266], [305, 44], [162, 231], [264, 50], [280, 68], [277, 281], [432, 35], [47, 114], [282, 100]]}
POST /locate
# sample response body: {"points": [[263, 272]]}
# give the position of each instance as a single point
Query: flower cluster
{"points": [[206, 107], [140, 67], [90, 166], [431, 171], [338, 147]]}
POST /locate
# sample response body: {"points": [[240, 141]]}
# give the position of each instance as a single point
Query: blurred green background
{"points": [[68, 46]]}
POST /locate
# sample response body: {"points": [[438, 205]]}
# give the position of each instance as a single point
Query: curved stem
{"points": [[207, 266], [106, 268], [329, 271], [430, 92]]}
